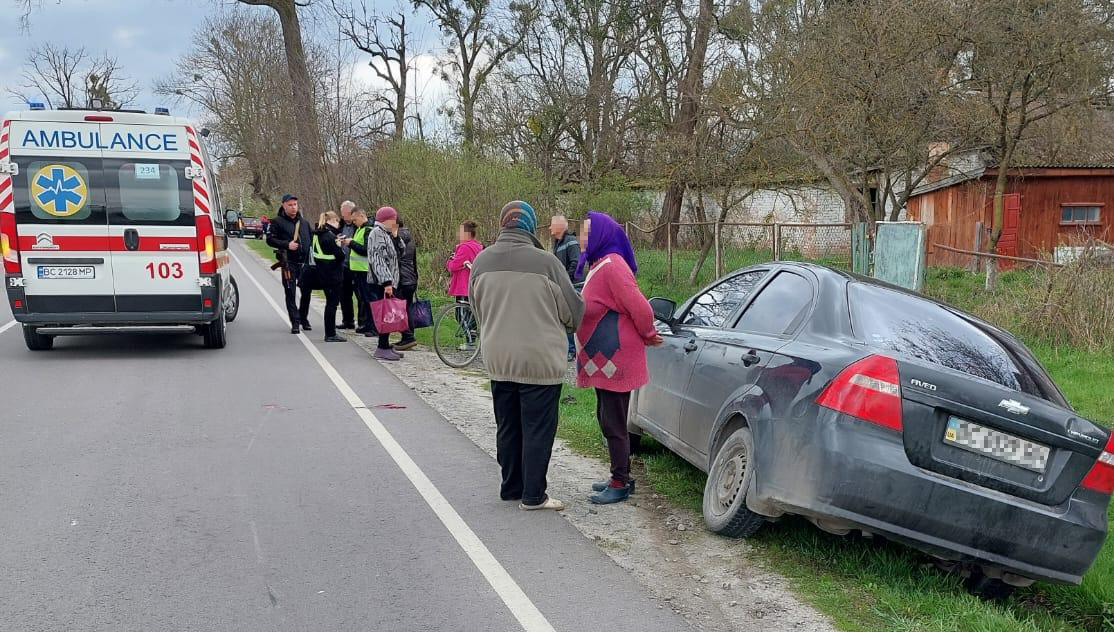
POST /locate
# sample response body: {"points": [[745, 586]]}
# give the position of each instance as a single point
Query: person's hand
{"points": [[468, 264], [655, 341], [293, 245], [389, 292]]}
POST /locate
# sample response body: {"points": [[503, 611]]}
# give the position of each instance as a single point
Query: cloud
{"points": [[124, 36]]}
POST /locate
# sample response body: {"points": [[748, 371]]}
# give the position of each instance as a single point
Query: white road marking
{"points": [[6, 327], [529, 617]]}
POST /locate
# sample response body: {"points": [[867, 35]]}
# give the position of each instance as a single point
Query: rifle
{"points": [[281, 258]]}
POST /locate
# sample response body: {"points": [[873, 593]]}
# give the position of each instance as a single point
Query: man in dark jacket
{"points": [[567, 250], [348, 284], [407, 279], [291, 236]]}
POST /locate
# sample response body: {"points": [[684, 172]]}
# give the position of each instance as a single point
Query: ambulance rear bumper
{"points": [[192, 309]]}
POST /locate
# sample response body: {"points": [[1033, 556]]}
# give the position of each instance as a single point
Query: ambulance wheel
{"points": [[214, 333], [36, 341], [232, 303]]}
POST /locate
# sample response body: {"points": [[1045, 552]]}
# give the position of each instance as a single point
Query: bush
{"points": [[1067, 306]]}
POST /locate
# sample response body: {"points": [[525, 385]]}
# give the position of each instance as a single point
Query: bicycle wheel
{"points": [[456, 337]]}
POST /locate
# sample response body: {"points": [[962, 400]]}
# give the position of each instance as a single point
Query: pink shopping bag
{"points": [[389, 315]]}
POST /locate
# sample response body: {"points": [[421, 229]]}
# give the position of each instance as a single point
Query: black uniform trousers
{"points": [[346, 291], [297, 310], [526, 424]]}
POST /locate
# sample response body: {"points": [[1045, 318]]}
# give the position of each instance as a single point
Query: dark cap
{"points": [[286, 198]]}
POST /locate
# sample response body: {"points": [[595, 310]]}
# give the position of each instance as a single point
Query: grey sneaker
{"points": [[387, 355]]}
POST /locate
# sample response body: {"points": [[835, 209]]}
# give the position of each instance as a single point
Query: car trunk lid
{"points": [[978, 431]]}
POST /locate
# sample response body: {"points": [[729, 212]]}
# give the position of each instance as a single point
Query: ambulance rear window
{"points": [[150, 192]]}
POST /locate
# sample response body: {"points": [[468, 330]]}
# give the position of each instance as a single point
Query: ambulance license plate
{"points": [[67, 272], [996, 445]]}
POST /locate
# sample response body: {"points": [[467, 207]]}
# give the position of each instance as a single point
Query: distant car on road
{"points": [[234, 223], [252, 227], [861, 406]]}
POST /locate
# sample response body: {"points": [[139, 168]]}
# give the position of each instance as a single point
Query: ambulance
{"points": [[105, 226]]}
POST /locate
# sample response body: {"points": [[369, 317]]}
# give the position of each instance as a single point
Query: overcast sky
{"points": [[145, 35], [148, 36]]}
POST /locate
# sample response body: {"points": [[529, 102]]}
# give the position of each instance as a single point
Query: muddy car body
{"points": [[861, 406]]}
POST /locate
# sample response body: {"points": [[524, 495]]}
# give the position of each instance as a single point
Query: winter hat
{"points": [[386, 214], [520, 215]]}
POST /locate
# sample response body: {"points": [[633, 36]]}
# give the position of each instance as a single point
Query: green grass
{"points": [[862, 584]]}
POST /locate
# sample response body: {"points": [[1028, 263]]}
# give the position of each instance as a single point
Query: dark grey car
{"points": [[861, 406]]}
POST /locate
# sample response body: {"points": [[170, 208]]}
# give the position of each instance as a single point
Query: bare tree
{"points": [[69, 78], [477, 46], [311, 152], [386, 39], [687, 114], [235, 74]]}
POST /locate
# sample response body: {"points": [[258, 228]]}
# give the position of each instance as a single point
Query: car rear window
{"points": [[908, 325]]}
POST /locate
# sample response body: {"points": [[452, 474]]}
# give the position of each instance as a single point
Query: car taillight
{"points": [[868, 390], [1101, 476], [206, 248], [9, 243]]}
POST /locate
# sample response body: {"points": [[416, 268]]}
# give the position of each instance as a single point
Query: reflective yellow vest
{"points": [[356, 261], [318, 253]]}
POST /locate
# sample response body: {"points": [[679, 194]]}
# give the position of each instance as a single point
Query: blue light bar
{"points": [[162, 111], [36, 105]]}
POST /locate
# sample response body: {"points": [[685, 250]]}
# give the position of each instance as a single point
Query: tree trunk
{"points": [[684, 127], [707, 246], [468, 126], [313, 191], [997, 218]]}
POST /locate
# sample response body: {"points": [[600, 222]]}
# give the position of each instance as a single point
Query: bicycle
{"points": [[456, 336]]}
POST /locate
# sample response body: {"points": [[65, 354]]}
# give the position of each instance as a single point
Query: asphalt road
{"points": [[147, 483]]}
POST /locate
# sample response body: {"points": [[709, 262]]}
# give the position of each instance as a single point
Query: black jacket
{"points": [[567, 251], [282, 233], [325, 272], [407, 258]]}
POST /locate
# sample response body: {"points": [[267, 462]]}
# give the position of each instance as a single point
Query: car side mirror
{"points": [[663, 310]]}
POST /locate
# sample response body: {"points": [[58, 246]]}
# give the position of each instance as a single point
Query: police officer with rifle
{"points": [[291, 236]]}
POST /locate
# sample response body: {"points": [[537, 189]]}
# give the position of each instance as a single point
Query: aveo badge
{"points": [[59, 190]]}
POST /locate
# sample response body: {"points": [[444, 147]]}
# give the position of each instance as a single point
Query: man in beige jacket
{"points": [[526, 306]]}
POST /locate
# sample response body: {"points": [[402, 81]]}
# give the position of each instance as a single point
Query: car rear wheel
{"points": [[725, 507], [214, 333], [232, 302], [36, 341]]}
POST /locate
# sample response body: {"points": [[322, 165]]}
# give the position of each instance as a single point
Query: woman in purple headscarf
{"points": [[611, 342]]}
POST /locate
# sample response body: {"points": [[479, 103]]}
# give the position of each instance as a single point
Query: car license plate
{"points": [[996, 445], [66, 272]]}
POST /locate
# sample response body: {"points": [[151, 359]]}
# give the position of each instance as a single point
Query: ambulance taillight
{"points": [[9, 244], [206, 247]]}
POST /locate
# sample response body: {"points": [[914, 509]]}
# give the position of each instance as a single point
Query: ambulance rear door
{"points": [[151, 218], [61, 220]]}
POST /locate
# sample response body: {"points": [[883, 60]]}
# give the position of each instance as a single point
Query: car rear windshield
{"points": [[905, 324]]}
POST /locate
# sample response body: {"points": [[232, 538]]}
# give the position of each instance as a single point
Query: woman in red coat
{"points": [[611, 342]]}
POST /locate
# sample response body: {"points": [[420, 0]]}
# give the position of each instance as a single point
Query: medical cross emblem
{"points": [[59, 190]]}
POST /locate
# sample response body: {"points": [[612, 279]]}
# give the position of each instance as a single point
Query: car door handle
{"points": [[690, 346], [751, 358], [131, 239]]}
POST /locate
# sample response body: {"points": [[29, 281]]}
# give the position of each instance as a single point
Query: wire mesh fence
{"points": [[696, 253]]}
